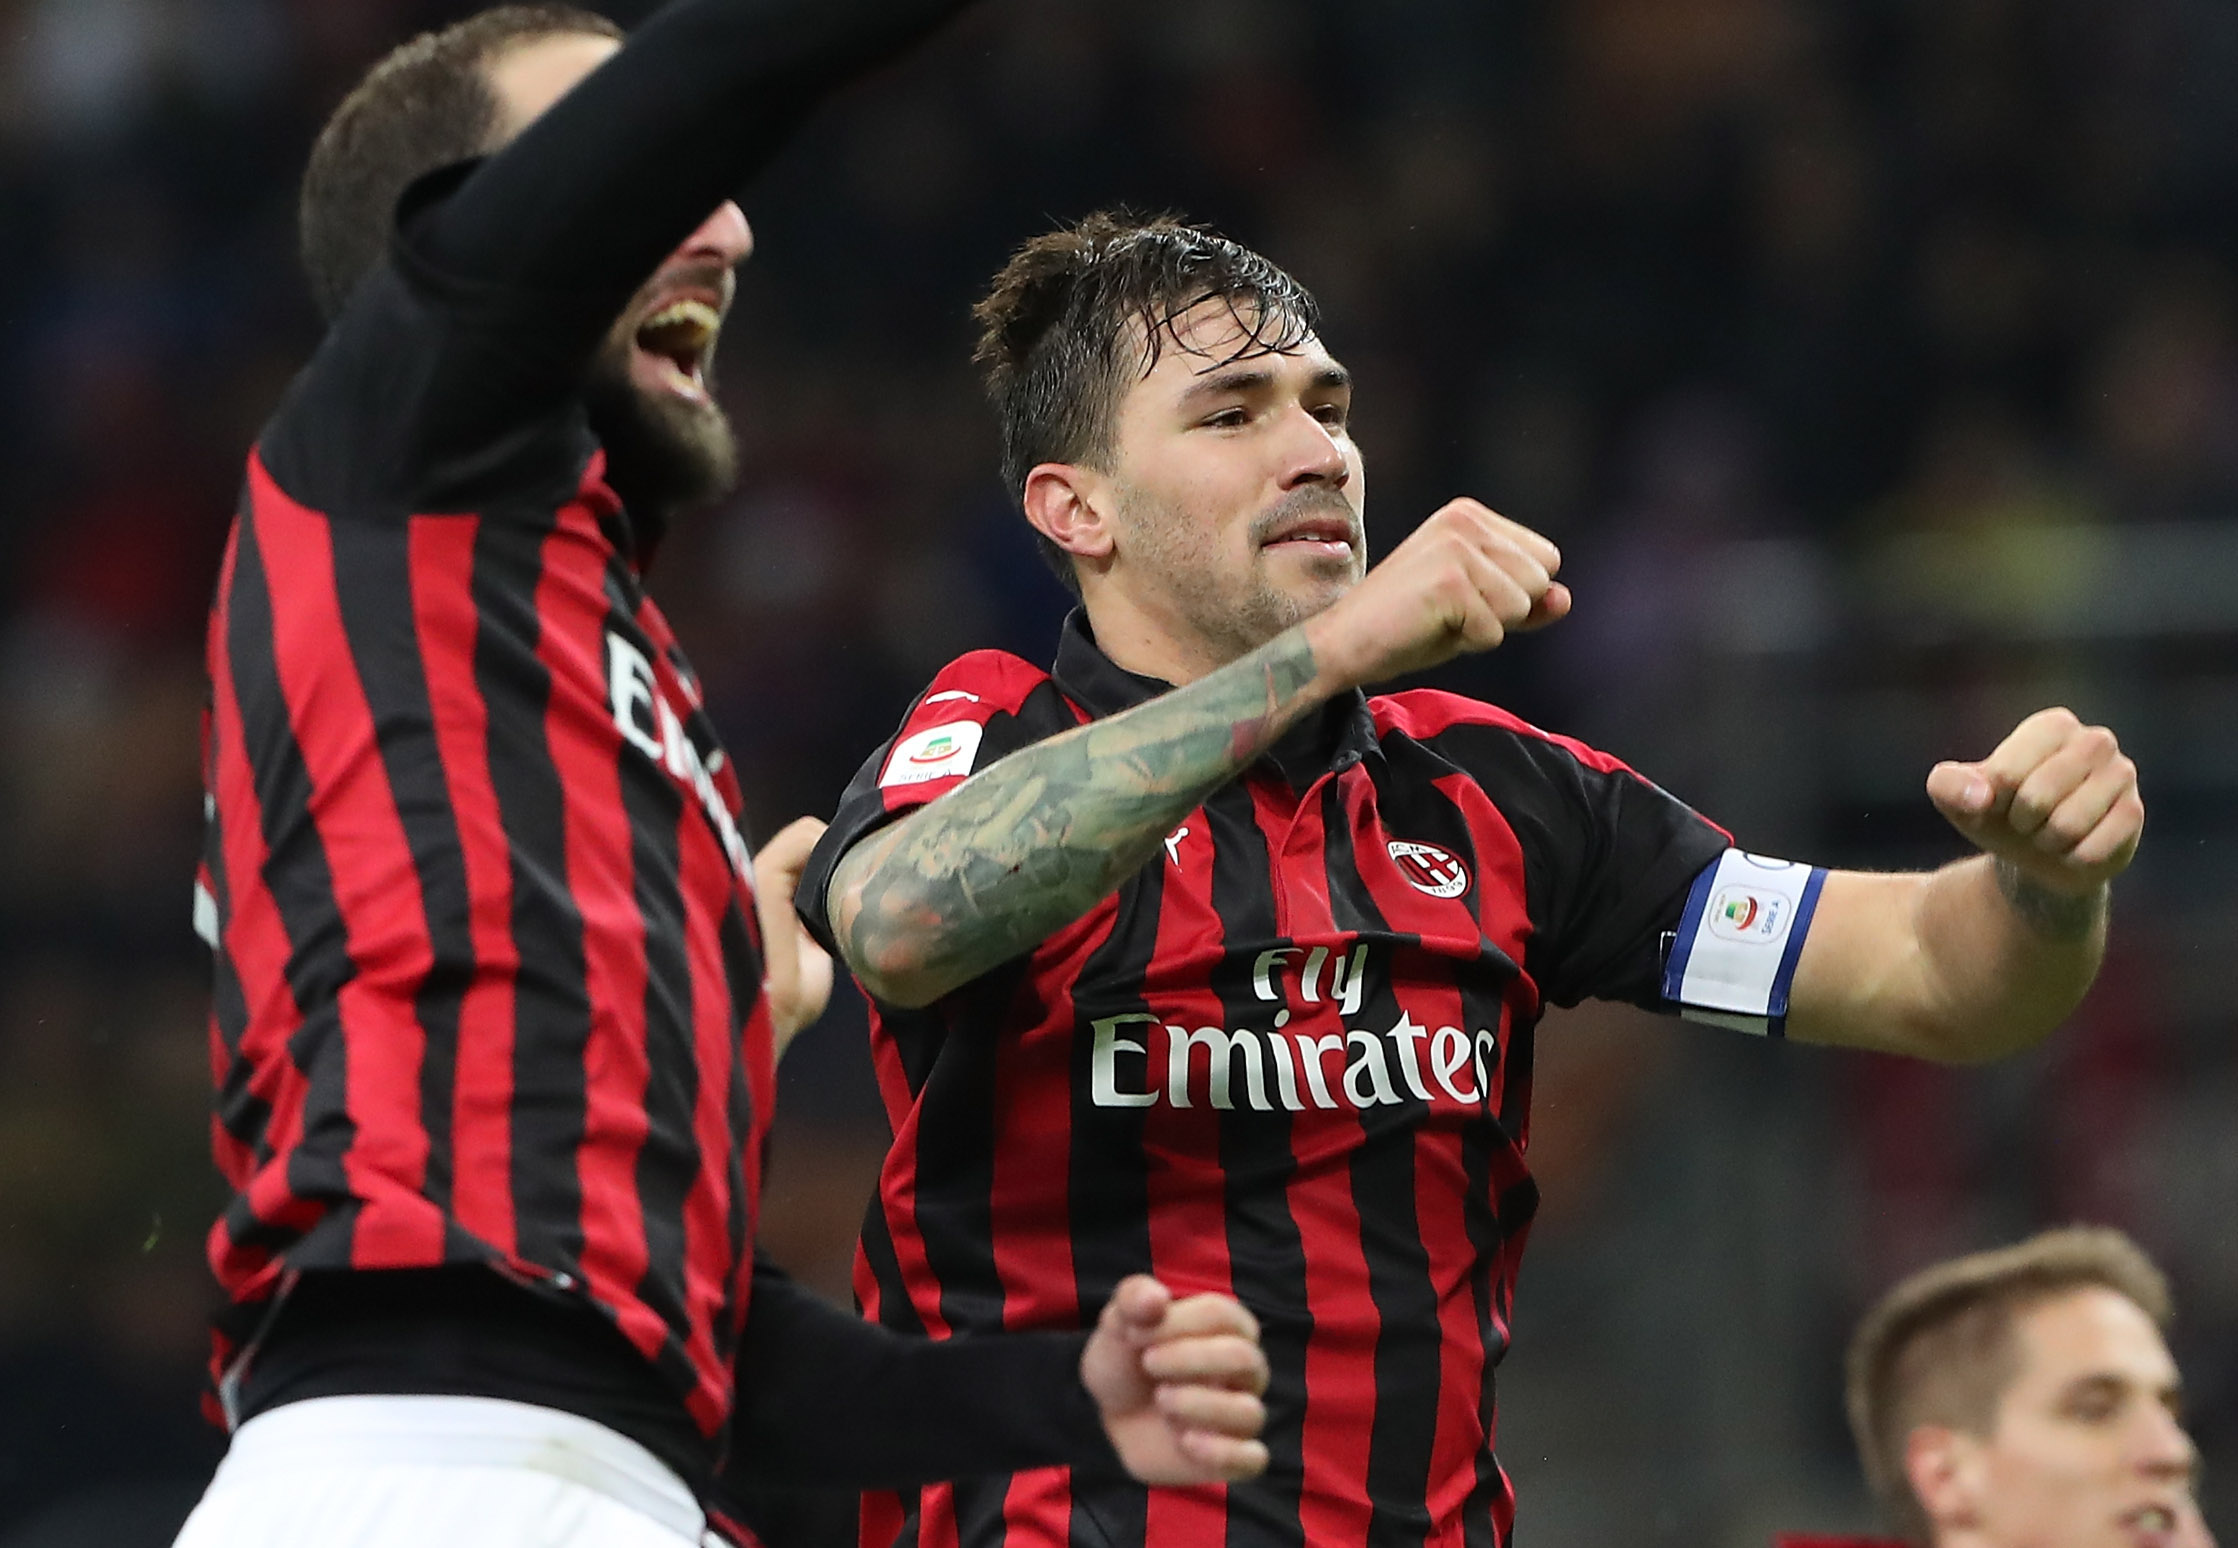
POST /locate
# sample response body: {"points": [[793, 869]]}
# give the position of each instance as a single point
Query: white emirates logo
{"points": [[1430, 869]]}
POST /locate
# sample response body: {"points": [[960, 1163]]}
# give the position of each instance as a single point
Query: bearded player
{"points": [[493, 1048]]}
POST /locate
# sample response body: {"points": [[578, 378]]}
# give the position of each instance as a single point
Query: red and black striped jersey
{"points": [[1290, 1060], [487, 970]]}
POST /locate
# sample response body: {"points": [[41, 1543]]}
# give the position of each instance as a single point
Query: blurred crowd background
{"points": [[1875, 362]]}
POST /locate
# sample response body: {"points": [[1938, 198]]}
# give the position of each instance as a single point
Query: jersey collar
{"points": [[1340, 735]]}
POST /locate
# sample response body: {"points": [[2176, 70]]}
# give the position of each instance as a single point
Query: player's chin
{"points": [[1315, 591], [669, 449]]}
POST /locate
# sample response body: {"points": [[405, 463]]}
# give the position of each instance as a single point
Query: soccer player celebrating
{"points": [[2025, 1398], [494, 1055], [1189, 957]]}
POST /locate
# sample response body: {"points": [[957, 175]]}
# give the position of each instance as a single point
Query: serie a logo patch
{"points": [[938, 753]]}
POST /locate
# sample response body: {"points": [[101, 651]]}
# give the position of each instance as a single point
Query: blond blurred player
{"points": [[2025, 1398]]}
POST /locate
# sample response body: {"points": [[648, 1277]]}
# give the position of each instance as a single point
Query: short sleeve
{"points": [[1618, 882], [981, 708], [1609, 857]]}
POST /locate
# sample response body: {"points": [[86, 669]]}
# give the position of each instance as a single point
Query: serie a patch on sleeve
{"points": [[944, 752], [1733, 958]]}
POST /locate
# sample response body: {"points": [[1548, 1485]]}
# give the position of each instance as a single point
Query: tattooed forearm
{"points": [[2053, 915], [1033, 842]]}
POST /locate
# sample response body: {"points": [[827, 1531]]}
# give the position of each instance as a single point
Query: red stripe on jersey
{"points": [[572, 610], [936, 1517], [256, 943], [880, 1521], [1030, 1221], [1500, 914], [723, 1035], [376, 886], [235, 1158], [897, 1187], [1339, 1419], [703, 870], [1037, 1509], [442, 567], [1422, 713], [1440, 1165], [1500, 894]]}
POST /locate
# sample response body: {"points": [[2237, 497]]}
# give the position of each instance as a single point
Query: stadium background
{"points": [[1876, 362]]}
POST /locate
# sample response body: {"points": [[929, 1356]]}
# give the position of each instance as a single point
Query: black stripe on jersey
{"points": [[1109, 1185], [1482, 1005], [669, 1158], [1266, 1257], [1409, 1338], [1496, 758], [955, 1219], [742, 969], [1440, 822], [551, 1000], [301, 883], [956, 1224], [1478, 1528], [243, 1114], [372, 571], [895, 1309]]}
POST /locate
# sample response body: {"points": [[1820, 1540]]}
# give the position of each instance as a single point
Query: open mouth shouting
{"points": [[675, 343]]}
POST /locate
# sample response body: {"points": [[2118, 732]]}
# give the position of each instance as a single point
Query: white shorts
{"points": [[438, 1472]]}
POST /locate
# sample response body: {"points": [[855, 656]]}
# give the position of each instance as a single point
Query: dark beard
{"points": [[662, 454]]}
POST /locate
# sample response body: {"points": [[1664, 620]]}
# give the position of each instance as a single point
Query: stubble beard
{"points": [[663, 453], [1231, 616]]}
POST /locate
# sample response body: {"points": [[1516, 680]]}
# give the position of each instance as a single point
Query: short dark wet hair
{"points": [[1077, 316]]}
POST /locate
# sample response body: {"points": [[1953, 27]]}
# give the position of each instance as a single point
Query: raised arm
{"points": [[1985, 956], [1032, 843], [590, 198]]}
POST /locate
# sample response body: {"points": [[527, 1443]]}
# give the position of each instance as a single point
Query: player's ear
{"points": [[1945, 1469], [1069, 506]]}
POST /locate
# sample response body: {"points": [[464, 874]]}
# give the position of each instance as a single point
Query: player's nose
{"points": [[2165, 1448], [725, 237], [1312, 452]]}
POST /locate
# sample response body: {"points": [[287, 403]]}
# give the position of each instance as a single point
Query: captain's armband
{"points": [[1733, 956]]}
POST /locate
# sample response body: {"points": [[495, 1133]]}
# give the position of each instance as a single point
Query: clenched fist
{"points": [[2057, 801], [1179, 1384], [1463, 581]]}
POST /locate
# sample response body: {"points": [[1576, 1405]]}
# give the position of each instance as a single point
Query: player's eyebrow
{"points": [[1239, 380]]}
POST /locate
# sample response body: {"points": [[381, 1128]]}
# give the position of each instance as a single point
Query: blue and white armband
{"points": [[1733, 957]]}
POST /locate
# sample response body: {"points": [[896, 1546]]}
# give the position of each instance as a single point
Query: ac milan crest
{"points": [[1430, 869]]}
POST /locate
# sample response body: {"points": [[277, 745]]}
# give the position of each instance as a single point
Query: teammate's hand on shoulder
{"points": [[1462, 581], [796, 972], [1178, 1383], [2057, 801]]}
